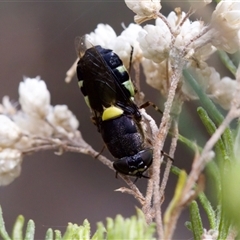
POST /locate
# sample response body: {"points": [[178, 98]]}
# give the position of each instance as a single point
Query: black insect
{"points": [[109, 91]]}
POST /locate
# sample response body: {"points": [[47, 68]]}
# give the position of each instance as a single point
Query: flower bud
{"points": [[155, 42], [145, 9], [61, 116], [9, 132], [126, 42], [223, 92], [226, 23], [33, 125], [102, 35], [34, 97], [10, 165]]}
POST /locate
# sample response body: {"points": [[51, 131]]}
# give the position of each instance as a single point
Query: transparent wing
{"points": [[99, 70], [82, 44]]}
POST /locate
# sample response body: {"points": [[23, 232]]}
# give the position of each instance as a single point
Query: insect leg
{"points": [[148, 103], [100, 151]]}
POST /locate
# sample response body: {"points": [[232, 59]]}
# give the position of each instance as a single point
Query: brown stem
{"points": [[164, 19], [169, 161], [158, 146], [147, 209]]}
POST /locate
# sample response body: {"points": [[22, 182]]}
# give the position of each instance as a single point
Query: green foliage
{"points": [[231, 194], [182, 177], [208, 209], [196, 221], [118, 228], [227, 62], [223, 170], [214, 114]]}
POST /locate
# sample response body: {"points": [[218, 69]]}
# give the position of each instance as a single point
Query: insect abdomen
{"points": [[122, 137]]}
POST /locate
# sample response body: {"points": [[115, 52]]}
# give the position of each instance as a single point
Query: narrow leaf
{"points": [[49, 234], [177, 194], [30, 231], [196, 221], [227, 62], [3, 232], [17, 232], [208, 209], [211, 109]]}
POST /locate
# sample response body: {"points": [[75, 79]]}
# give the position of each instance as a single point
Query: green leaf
{"points": [[99, 234], [211, 128], [86, 229], [17, 232], [3, 232], [208, 209], [189, 143], [224, 226], [227, 62], [213, 172], [177, 195], [196, 221], [69, 232], [49, 234], [148, 229], [188, 225], [30, 231], [110, 229], [118, 228], [129, 228], [237, 143], [211, 109], [58, 235], [230, 200]]}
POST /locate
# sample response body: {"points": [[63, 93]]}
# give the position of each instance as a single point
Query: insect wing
{"points": [[103, 78], [95, 77]]}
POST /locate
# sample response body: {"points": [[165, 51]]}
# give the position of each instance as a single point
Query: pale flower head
{"points": [[9, 132], [24, 143], [7, 107], [223, 92], [122, 45], [226, 24], [10, 165], [102, 36], [155, 42], [62, 118], [211, 234], [189, 30], [145, 9], [156, 75], [126, 42], [31, 125], [185, 33], [173, 20], [34, 97]]}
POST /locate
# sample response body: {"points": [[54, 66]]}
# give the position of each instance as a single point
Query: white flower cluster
{"points": [[209, 235], [226, 22], [145, 9], [105, 36], [33, 125], [174, 39]]}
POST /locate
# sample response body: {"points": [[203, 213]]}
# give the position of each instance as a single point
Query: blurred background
{"points": [[37, 38]]}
